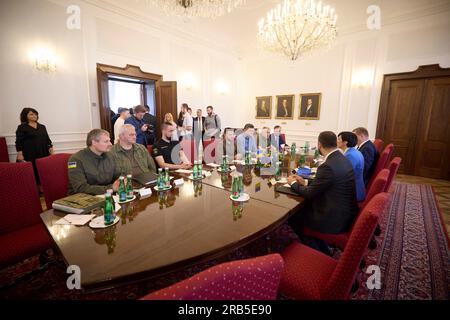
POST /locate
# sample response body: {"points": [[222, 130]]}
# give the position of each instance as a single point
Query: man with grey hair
{"points": [[131, 157], [93, 169]]}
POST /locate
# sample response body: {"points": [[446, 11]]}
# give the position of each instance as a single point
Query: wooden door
{"points": [[433, 138], [415, 116], [103, 100], [402, 119], [166, 92]]}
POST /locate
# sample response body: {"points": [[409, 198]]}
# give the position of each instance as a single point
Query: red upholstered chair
{"points": [[311, 275], [22, 233], [379, 144], [378, 186], [189, 149], [283, 136], [382, 163], [340, 240], [250, 279], [3, 150], [150, 150], [393, 168], [54, 176]]}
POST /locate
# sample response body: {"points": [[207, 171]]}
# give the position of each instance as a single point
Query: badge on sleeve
{"points": [[72, 165]]}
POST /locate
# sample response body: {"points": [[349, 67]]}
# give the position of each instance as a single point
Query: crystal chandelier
{"points": [[297, 27], [197, 8]]}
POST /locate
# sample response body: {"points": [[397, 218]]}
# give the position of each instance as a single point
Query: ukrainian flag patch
{"points": [[72, 165]]}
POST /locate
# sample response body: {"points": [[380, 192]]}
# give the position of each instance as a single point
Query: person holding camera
{"points": [[137, 121]]}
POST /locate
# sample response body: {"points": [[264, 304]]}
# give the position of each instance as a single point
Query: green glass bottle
{"points": [[277, 170], [129, 187], [167, 178], [302, 161], [235, 188], [241, 185], [161, 182], [247, 157], [109, 210], [293, 150], [122, 190]]}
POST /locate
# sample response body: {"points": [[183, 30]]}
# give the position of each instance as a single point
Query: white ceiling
{"points": [[237, 30]]}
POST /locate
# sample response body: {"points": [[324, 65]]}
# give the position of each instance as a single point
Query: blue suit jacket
{"points": [[357, 160]]}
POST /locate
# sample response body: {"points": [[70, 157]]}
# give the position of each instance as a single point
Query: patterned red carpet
{"points": [[412, 253]]}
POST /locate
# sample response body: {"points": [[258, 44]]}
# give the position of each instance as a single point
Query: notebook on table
{"points": [[146, 178], [286, 190]]}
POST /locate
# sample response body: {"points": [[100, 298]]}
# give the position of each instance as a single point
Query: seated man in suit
{"points": [[168, 153], [276, 139], [131, 157], [93, 169], [330, 205], [246, 141], [347, 143], [226, 146], [369, 152]]}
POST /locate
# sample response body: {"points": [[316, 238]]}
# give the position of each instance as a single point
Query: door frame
{"points": [[104, 70], [422, 72]]}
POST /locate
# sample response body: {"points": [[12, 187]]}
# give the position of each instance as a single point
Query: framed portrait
{"points": [[310, 106], [263, 107], [285, 107]]}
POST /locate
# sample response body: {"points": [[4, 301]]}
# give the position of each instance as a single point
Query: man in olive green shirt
{"points": [[93, 169], [131, 157]]}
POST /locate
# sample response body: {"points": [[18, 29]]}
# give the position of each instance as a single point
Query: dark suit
{"points": [[195, 130], [274, 139], [281, 113], [262, 113], [311, 113], [198, 134], [331, 205], [152, 123], [370, 154]]}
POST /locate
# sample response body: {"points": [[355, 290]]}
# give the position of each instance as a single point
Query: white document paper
{"points": [[213, 165], [183, 171], [75, 219]]}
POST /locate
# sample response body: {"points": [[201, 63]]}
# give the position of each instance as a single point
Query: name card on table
{"points": [[179, 182], [145, 193]]}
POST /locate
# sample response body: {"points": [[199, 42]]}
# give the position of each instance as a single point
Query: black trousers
{"points": [[297, 223]]}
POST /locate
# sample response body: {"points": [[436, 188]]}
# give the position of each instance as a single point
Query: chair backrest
{"points": [[54, 176], [379, 144], [393, 168], [250, 279], [343, 276], [150, 150], [20, 205], [3, 150], [390, 150], [189, 149], [382, 161], [378, 186]]}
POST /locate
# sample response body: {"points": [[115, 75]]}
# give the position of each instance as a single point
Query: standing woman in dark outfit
{"points": [[32, 140]]}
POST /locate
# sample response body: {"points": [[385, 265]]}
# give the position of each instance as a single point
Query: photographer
{"points": [[139, 124]]}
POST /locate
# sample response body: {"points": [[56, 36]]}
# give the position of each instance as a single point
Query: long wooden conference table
{"points": [[175, 229]]}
